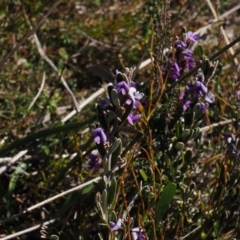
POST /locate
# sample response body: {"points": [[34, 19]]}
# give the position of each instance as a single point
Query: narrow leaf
{"points": [[164, 200]]}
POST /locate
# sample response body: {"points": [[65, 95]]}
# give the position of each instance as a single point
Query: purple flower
{"points": [[200, 77], [210, 98], [175, 71], [138, 95], [133, 118], [182, 95], [137, 98], [192, 37], [93, 163], [104, 103], [131, 93], [189, 62], [203, 107], [132, 84], [138, 234], [99, 136], [188, 53], [180, 44], [197, 86], [229, 137], [238, 95], [231, 140], [122, 87], [115, 226], [186, 105]]}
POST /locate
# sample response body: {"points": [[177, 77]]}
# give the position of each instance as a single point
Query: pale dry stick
{"points": [[34, 29], [222, 123], [94, 40], [50, 62], [27, 157], [97, 94], [95, 180], [222, 31], [202, 30], [28, 230], [13, 160], [5, 159], [39, 92], [83, 104], [193, 231]]}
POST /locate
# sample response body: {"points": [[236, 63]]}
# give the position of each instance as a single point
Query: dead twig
{"points": [[34, 29]]}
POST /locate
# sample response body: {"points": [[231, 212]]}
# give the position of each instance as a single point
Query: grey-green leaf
{"points": [[164, 200], [112, 191]]}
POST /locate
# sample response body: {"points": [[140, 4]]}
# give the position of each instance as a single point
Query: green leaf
{"points": [[188, 156], [178, 129], [114, 146], [101, 117], [43, 134], [116, 154], [12, 184], [200, 51], [111, 116], [144, 175], [185, 133], [112, 189], [206, 67], [104, 203], [164, 200], [179, 146], [63, 53], [114, 97]]}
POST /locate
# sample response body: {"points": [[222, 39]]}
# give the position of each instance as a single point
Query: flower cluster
{"points": [[181, 58], [119, 107], [197, 92], [137, 233], [126, 94]]}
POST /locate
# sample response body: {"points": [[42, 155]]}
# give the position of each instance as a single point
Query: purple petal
{"points": [[238, 95], [210, 98], [138, 95], [99, 136], [132, 84], [133, 118], [189, 62], [104, 103], [117, 226], [137, 234], [181, 96], [203, 107], [193, 37], [200, 77], [122, 87], [180, 44], [186, 105], [131, 93], [93, 163], [188, 52], [197, 86], [175, 71]]}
